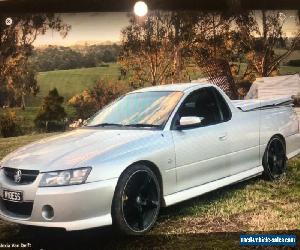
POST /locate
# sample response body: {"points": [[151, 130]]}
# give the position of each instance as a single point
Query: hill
{"points": [[73, 81]]}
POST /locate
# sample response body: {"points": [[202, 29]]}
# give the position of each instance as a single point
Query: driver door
{"points": [[201, 154]]}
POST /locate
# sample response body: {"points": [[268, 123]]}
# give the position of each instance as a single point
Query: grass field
{"points": [[211, 221], [68, 83], [283, 70], [73, 81]]}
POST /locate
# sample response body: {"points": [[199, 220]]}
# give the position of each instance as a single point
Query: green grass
{"points": [[7, 145], [210, 221], [25, 118], [255, 205], [68, 83], [73, 81], [285, 70]]}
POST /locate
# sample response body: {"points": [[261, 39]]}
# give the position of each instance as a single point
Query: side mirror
{"points": [[190, 121]]}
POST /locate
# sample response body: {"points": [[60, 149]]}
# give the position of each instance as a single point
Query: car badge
{"points": [[18, 176]]}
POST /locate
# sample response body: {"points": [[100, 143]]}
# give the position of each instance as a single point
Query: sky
{"points": [[87, 27], [106, 26]]}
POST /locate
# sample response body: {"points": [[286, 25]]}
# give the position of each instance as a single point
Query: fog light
{"points": [[47, 212]]}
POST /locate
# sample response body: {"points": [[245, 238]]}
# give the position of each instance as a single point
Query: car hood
{"points": [[75, 148]]}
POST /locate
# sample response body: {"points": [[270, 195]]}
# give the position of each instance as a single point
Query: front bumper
{"points": [[75, 207]]}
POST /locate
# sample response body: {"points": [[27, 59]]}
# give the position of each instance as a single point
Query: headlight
{"points": [[65, 177]]}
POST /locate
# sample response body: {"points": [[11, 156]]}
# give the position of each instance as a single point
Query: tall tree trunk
{"points": [[218, 72], [177, 52], [264, 30], [214, 36], [264, 24], [177, 65]]}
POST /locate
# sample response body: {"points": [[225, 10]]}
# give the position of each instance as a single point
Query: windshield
{"points": [[141, 109]]}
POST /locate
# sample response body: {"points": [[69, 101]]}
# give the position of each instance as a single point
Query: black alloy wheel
{"points": [[275, 158], [137, 200]]}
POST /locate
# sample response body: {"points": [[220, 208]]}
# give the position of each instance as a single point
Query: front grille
{"points": [[18, 208], [27, 176]]}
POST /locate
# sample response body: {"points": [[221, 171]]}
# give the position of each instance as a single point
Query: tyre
{"points": [[136, 201], [274, 160]]}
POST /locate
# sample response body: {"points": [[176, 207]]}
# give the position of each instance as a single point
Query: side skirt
{"points": [[205, 188], [293, 154]]}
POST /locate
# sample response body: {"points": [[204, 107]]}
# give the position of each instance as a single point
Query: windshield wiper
{"points": [[142, 125], [107, 124]]}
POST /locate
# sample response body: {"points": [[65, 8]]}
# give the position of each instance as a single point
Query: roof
{"points": [[173, 87]]}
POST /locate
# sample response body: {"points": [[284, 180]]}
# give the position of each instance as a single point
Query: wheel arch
{"points": [[157, 173], [268, 142], [267, 172], [281, 137]]}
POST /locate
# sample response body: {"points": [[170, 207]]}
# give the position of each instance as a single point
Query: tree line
{"points": [[63, 58]]}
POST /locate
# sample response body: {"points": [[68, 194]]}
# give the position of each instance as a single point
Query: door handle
{"points": [[223, 137]]}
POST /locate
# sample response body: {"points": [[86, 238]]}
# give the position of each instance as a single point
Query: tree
{"points": [[90, 101], [23, 82], [61, 58], [51, 115], [215, 46], [84, 104], [260, 40], [160, 49], [16, 45], [155, 49]]}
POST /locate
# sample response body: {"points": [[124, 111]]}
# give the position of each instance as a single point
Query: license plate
{"points": [[15, 196]]}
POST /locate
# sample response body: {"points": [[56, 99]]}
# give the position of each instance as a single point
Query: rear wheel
{"points": [[136, 201], [274, 160]]}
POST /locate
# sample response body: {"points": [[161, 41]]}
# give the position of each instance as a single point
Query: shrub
{"points": [[84, 104], [52, 116], [8, 124], [90, 101]]}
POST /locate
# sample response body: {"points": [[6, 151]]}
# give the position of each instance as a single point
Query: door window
{"points": [[202, 103], [225, 110]]}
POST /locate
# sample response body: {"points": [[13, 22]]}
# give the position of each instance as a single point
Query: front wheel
{"points": [[274, 160], [136, 200]]}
